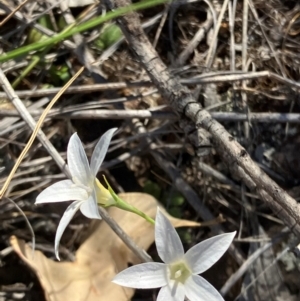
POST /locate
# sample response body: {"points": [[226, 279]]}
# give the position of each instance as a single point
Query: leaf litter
{"points": [[280, 23]]}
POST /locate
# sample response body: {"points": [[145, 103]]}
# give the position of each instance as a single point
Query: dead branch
{"points": [[183, 102]]}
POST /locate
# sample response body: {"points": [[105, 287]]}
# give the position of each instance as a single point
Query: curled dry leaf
{"points": [[99, 258]]}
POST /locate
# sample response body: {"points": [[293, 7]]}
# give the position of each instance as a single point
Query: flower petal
{"points": [[100, 151], [89, 208], [168, 244], [174, 293], [145, 275], [62, 191], [206, 253], [198, 289], [65, 220], [78, 162]]}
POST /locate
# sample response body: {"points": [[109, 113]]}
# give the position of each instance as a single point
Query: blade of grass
{"points": [[37, 58], [79, 28]]}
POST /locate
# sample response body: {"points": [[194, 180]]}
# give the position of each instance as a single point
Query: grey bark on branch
{"points": [[183, 102]]}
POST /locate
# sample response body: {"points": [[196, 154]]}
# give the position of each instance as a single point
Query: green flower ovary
{"points": [[179, 272], [104, 197]]}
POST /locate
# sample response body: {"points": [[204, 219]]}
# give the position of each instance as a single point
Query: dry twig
{"points": [[183, 102]]}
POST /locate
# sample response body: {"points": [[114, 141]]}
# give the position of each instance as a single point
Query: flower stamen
{"points": [[179, 272]]}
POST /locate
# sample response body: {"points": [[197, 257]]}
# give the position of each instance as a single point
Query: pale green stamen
{"points": [[179, 271]]}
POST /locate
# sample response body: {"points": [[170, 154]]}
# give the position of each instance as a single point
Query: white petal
{"points": [[174, 293], [168, 244], [100, 151], [145, 275], [206, 253], [65, 220], [89, 208], [62, 191], [198, 289], [77, 161]]}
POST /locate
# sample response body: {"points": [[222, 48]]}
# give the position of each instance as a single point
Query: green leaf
{"points": [[35, 35], [177, 199], [110, 34], [152, 189]]}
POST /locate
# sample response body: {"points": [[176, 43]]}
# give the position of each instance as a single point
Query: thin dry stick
{"points": [[220, 116], [245, 266], [79, 89], [23, 112], [7, 88], [266, 269], [140, 253], [232, 40], [13, 12], [228, 76], [158, 114], [262, 28], [214, 41], [26, 220], [244, 64], [161, 25], [206, 78], [245, 34], [198, 37]]}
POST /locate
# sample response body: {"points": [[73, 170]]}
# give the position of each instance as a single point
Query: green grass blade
{"points": [[77, 29]]}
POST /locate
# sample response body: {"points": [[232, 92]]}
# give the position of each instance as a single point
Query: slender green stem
{"points": [[127, 207], [79, 28], [36, 59], [119, 203]]}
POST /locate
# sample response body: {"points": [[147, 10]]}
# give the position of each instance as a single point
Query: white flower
{"points": [[178, 276], [84, 187]]}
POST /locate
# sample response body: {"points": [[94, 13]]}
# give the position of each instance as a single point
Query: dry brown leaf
{"points": [[99, 258]]}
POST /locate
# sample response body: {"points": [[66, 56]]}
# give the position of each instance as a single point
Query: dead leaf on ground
{"points": [[99, 258]]}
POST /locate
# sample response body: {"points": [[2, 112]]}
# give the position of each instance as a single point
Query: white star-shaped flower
{"points": [[84, 188], [178, 275]]}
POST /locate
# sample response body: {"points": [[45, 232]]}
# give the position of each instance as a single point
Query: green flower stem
{"points": [[127, 207], [79, 28], [36, 59]]}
